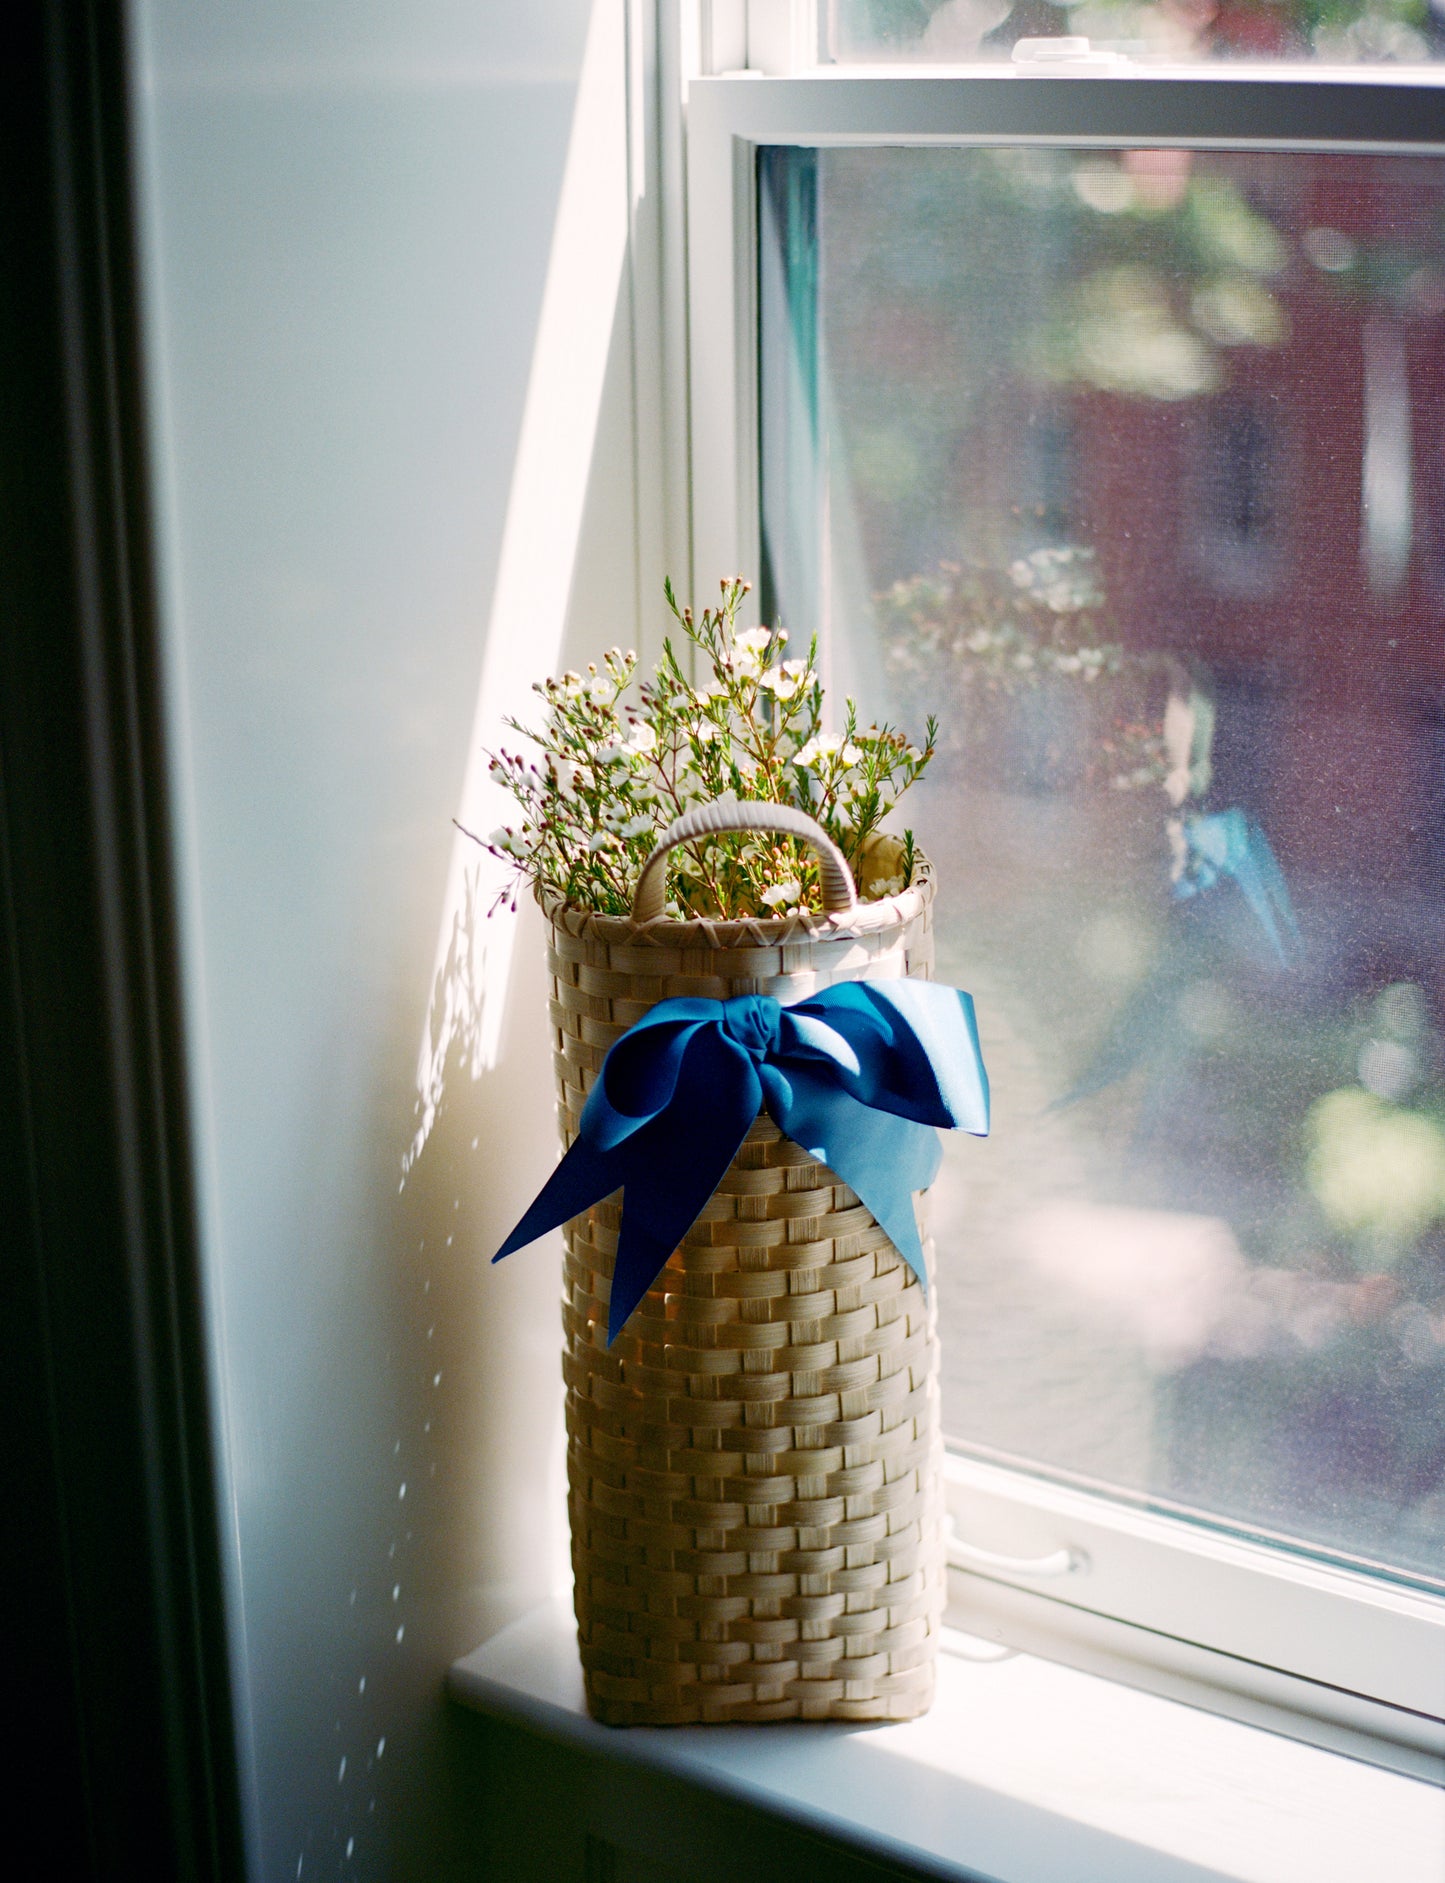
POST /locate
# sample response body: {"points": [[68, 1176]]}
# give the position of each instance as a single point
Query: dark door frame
{"points": [[118, 1670]]}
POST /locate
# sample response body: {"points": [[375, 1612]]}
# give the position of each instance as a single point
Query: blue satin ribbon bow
{"points": [[858, 1075], [1230, 844]]}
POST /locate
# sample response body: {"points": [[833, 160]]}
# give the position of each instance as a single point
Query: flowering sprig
{"points": [[728, 716]]}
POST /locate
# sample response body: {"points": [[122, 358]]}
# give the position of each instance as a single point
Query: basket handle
{"points": [[707, 820]]}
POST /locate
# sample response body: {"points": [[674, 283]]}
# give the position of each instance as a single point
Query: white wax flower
{"points": [[749, 648], [784, 679], [788, 892], [825, 745], [641, 737]]}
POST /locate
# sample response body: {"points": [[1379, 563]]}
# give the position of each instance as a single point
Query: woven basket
{"points": [[754, 1467]]}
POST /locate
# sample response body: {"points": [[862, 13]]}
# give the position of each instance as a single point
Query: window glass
{"points": [[1338, 31], [1127, 467]]}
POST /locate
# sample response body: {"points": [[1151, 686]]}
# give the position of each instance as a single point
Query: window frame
{"points": [[1342, 1658]]}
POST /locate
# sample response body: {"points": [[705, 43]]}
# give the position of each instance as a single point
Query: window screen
{"points": [[1126, 466]]}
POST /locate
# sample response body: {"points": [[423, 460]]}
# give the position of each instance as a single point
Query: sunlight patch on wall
{"points": [[538, 554]]}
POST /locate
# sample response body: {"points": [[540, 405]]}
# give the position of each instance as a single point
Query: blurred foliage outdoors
{"points": [[1154, 274], [1333, 31]]}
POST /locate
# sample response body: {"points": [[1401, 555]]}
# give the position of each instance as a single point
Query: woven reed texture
{"points": [[754, 1468]]}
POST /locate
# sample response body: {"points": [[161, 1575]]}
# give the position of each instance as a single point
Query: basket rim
{"points": [[667, 931]]}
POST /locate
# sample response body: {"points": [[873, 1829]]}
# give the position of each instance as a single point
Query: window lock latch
{"points": [[1068, 55], [1068, 1561]]}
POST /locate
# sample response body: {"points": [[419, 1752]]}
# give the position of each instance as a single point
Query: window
{"points": [[1233, 523], [1084, 412]]}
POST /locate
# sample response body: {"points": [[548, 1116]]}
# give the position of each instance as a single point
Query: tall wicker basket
{"points": [[754, 1466]]}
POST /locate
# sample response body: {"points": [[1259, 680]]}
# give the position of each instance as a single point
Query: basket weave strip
{"points": [[753, 1466]]}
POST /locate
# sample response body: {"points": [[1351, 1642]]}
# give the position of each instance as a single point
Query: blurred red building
{"points": [[1286, 527]]}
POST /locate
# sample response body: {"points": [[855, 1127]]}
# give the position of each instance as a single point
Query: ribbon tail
{"points": [[674, 1164], [890, 1200], [880, 1156], [584, 1176], [655, 1218]]}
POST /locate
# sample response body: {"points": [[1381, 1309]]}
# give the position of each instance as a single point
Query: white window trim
{"points": [[1345, 1661], [1024, 1771], [1343, 1658]]}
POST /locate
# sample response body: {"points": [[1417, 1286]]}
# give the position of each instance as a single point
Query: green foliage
{"points": [[1374, 31], [884, 23], [612, 772]]}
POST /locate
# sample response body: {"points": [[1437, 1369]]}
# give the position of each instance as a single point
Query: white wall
{"points": [[349, 212]]}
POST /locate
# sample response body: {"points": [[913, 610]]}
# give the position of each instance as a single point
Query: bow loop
{"points": [[859, 1075]]}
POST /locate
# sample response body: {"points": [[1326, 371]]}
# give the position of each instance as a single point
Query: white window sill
{"points": [[1024, 1772]]}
